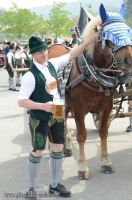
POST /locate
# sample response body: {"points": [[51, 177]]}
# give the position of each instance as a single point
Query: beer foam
{"points": [[59, 103]]}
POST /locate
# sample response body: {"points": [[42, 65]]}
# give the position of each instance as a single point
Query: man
{"points": [[10, 67], [27, 56], [19, 59], [34, 96]]}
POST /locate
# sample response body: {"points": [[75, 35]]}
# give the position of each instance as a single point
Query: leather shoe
{"points": [[31, 194], [129, 128], [59, 190], [14, 89]]}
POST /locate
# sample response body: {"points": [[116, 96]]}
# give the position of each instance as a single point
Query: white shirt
{"points": [[9, 56], [28, 80], [18, 54]]}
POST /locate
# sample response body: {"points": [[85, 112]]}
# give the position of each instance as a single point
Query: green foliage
{"points": [[59, 21], [43, 27], [19, 22], [92, 12], [128, 12]]}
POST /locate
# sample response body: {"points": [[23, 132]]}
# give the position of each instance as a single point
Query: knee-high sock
{"points": [[9, 80], [33, 164], [17, 79], [12, 83], [55, 164], [130, 118]]}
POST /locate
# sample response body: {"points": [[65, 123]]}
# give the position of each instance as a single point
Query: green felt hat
{"points": [[36, 44], [26, 47], [11, 47]]}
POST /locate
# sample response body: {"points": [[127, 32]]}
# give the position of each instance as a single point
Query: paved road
{"points": [[15, 147]]}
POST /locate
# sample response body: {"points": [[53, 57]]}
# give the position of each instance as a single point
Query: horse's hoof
{"points": [[84, 175], [107, 169], [68, 153]]}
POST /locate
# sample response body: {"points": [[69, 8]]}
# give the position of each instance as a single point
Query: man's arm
{"points": [[31, 105], [75, 52]]}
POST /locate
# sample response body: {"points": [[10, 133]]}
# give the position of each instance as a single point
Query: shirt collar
{"points": [[38, 65]]}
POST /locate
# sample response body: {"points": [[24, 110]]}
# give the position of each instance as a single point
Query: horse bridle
{"points": [[111, 46]]}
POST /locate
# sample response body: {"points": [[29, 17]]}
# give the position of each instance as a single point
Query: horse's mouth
{"points": [[125, 70]]}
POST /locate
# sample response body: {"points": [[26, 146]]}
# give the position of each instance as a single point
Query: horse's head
{"points": [[113, 45]]}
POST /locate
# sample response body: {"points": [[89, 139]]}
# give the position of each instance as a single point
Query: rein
{"points": [[90, 70]]}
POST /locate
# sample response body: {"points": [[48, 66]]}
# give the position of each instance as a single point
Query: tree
{"points": [[128, 12], [43, 27], [60, 20], [19, 22]]}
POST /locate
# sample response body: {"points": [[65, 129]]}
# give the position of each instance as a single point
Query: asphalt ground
{"points": [[15, 145]]}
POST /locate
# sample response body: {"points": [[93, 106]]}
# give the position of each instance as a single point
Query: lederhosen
{"points": [[41, 122], [19, 66], [8, 68]]}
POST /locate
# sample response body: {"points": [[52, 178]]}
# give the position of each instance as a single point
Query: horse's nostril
{"points": [[126, 61]]}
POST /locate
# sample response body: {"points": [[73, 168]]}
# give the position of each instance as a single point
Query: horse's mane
{"points": [[87, 31]]}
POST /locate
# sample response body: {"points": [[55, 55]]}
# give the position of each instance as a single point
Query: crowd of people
{"points": [[17, 56]]}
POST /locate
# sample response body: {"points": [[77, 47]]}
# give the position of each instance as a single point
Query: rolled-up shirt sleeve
{"points": [[60, 62], [27, 86]]}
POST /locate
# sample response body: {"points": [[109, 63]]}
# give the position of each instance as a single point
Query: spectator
{"points": [[10, 65]]}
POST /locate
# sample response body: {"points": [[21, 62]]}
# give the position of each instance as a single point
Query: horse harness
{"points": [[91, 73]]}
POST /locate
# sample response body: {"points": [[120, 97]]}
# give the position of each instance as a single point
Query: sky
{"points": [[29, 3]]}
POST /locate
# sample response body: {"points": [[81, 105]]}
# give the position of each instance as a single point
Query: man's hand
{"points": [[48, 107]]}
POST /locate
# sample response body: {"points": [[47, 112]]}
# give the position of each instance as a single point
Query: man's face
{"points": [[41, 56], [26, 49]]}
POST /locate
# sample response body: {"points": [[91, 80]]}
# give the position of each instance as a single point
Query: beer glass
{"points": [[58, 112]]}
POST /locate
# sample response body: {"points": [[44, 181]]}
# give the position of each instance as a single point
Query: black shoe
{"points": [[59, 190], [129, 128], [31, 195], [10, 88], [14, 89], [18, 85]]}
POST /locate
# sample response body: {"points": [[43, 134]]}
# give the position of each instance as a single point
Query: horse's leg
{"points": [[106, 164], [83, 171], [68, 151], [68, 145]]}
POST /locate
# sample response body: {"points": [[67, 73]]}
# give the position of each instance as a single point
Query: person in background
{"points": [[27, 58], [67, 42], [6, 48], [48, 41], [18, 56], [10, 67], [74, 39], [38, 91]]}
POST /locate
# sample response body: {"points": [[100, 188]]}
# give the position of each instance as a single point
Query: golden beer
{"points": [[58, 110]]}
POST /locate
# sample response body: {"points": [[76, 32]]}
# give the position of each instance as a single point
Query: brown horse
{"points": [[105, 66], [94, 94]]}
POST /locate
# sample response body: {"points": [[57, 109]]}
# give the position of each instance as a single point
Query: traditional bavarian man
{"points": [[19, 59], [10, 66], [34, 95], [27, 56], [74, 39]]}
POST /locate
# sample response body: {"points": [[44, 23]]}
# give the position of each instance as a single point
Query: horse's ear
{"points": [[122, 10], [103, 13]]}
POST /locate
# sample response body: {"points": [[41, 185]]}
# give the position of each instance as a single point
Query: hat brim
{"points": [[38, 48]]}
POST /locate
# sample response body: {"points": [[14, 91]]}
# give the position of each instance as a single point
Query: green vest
{"points": [[28, 61], [39, 94]]}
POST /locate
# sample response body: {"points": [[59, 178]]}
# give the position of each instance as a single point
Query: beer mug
{"points": [[58, 112]]}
